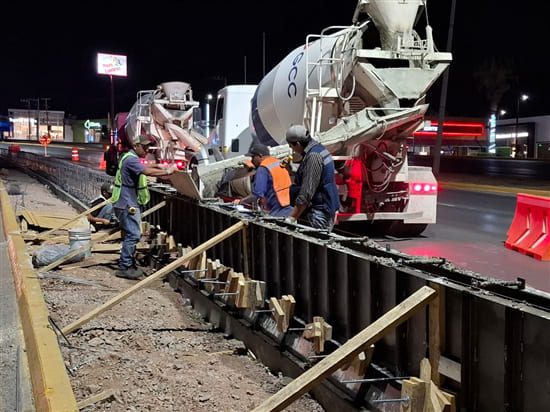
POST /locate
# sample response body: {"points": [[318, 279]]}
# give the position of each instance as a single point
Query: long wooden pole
{"points": [[155, 276], [348, 351], [103, 238], [45, 234]]}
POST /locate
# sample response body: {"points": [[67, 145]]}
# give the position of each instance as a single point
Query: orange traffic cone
{"points": [[75, 157]]}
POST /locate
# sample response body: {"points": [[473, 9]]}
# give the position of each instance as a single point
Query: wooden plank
{"points": [[436, 327], [154, 277], [103, 238], [288, 303], [45, 234], [348, 350], [416, 391], [278, 314], [450, 368], [95, 398], [115, 248], [256, 294], [452, 400], [425, 370], [444, 403], [432, 401]]}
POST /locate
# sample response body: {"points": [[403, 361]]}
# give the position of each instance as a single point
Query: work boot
{"points": [[129, 273]]}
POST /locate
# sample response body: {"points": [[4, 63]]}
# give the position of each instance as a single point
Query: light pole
{"points": [[521, 97], [207, 114]]}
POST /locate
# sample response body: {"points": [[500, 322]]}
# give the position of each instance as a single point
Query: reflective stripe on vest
{"points": [[143, 196], [281, 179]]}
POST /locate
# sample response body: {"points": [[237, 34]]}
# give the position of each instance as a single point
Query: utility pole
{"points": [[443, 99], [46, 99], [37, 101], [263, 54], [245, 69], [28, 102], [112, 103]]}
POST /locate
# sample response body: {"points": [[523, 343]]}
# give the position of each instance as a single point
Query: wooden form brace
{"points": [[319, 332], [282, 311]]}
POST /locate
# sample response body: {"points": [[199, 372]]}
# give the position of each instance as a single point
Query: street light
{"points": [[502, 112], [521, 97], [207, 113]]}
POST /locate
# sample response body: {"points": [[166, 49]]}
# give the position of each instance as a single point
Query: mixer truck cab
{"points": [[232, 132]]}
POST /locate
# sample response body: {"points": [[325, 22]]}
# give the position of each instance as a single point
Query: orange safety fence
{"points": [[529, 232]]}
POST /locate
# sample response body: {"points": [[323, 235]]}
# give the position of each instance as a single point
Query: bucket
{"points": [[79, 237]]}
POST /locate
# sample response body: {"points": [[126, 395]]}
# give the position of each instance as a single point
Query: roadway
{"points": [[470, 232], [90, 154]]}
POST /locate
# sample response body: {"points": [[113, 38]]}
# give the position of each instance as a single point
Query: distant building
{"points": [[461, 137], [89, 130], [471, 137], [28, 124], [532, 136]]}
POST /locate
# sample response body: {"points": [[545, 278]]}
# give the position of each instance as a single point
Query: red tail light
{"points": [[423, 188], [179, 164]]}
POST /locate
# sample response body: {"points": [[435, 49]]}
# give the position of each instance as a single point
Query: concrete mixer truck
{"points": [[362, 104]]}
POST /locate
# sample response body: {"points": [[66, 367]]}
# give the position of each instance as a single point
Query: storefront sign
{"points": [[88, 124]]}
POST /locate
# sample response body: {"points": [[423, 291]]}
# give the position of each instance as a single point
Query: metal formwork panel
{"points": [[340, 302], [535, 364], [489, 357]]}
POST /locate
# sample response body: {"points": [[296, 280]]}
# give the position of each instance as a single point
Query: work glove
{"points": [[290, 220]]}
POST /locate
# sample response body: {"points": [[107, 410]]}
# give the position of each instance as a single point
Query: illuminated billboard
{"points": [[111, 64]]}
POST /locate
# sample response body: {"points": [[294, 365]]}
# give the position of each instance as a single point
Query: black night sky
{"points": [[50, 48]]}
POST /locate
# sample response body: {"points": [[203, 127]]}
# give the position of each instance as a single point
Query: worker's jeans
{"points": [[131, 227], [319, 219]]}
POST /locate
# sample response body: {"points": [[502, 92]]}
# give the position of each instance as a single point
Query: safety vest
{"points": [[326, 197], [143, 196], [281, 179]]}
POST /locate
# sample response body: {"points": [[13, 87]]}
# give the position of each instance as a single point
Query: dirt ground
{"points": [[155, 352]]}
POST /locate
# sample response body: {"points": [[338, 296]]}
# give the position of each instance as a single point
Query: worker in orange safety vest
{"points": [[271, 188]]}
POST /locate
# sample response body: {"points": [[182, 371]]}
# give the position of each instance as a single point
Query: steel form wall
{"points": [[502, 345], [502, 339]]}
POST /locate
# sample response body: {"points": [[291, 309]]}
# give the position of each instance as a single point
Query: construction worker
{"points": [[271, 183], [313, 194], [104, 217], [129, 194]]}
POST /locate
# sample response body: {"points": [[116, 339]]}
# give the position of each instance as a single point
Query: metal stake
{"points": [[298, 329], [192, 271], [404, 400], [397, 378], [214, 281]]}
